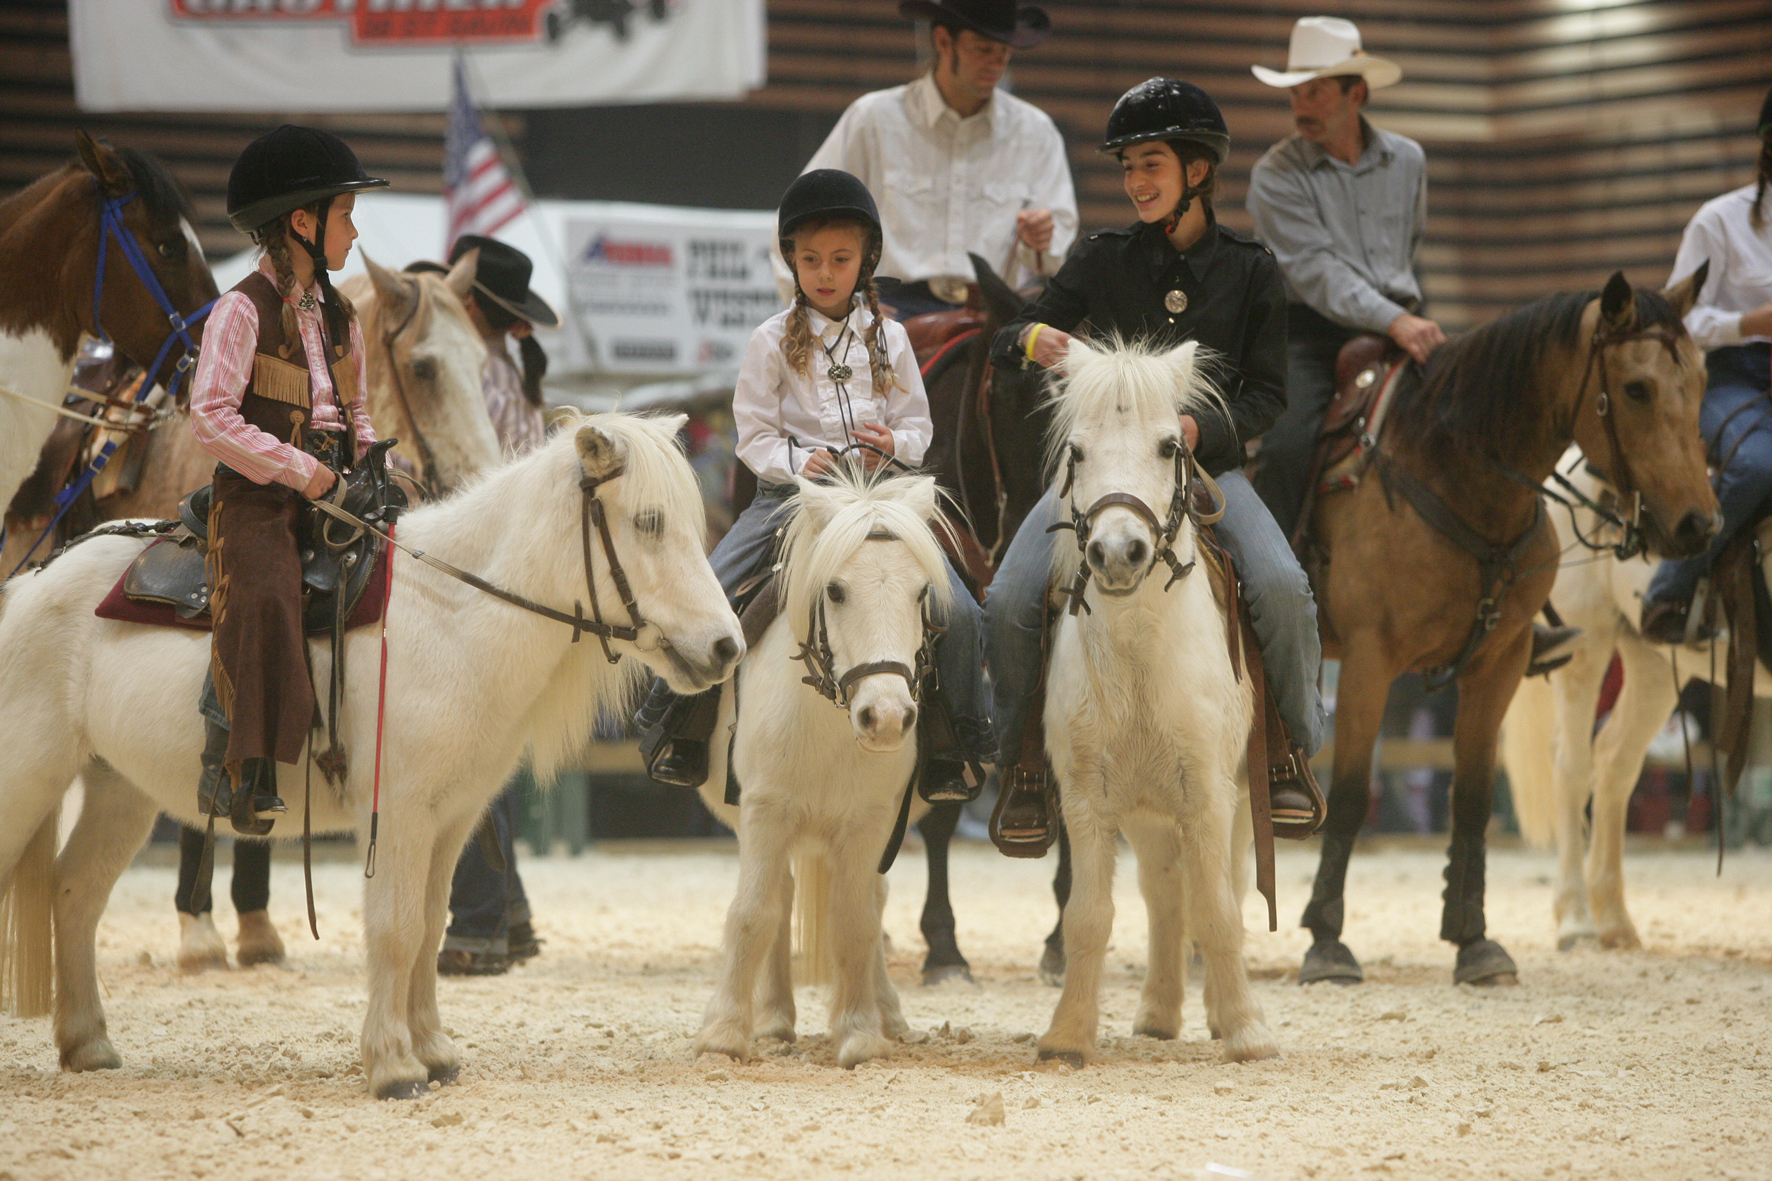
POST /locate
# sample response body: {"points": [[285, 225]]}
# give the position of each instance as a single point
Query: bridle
{"points": [[815, 652], [591, 512], [1187, 469], [433, 483]]}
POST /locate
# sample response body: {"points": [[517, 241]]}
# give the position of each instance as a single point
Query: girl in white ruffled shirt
{"points": [[827, 377]]}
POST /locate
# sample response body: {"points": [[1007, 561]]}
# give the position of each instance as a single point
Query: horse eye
{"points": [[424, 369], [649, 522], [1168, 448], [171, 249], [834, 592], [1076, 454], [1637, 391]]}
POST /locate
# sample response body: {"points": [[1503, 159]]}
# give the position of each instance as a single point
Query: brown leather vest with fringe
{"points": [[278, 400]]}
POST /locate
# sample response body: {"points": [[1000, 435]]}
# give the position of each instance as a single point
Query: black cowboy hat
{"points": [[501, 275], [285, 169], [1020, 27], [1167, 109]]}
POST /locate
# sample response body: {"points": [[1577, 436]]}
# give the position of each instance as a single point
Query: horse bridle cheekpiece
{"points": [[821, 673], [111, 226], [1187, 468], [427, 457]]}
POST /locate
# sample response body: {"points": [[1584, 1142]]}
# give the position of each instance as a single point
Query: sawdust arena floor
{"points": [[1647, 1064]]}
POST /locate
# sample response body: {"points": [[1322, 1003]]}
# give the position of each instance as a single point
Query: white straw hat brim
{"points": [[1377, 71]]}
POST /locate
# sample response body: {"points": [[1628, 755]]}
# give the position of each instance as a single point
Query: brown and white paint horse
{"points": [[51, 235]]}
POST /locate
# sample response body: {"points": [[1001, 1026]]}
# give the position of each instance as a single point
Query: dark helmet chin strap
{"points": [[1188, 193], [316, 249]]}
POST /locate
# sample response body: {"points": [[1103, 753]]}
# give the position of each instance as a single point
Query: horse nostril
{"points": [[1097, 554], [866, 718], [725, 650], [910, 717], [1135, 553]]}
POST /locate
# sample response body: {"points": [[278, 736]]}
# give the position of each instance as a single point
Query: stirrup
{"points": [[1025, 821], [1551, 648], [1295, 802], [255, 800]]}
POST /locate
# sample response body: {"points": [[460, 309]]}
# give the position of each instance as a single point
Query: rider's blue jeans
{"points": [[486, 902], [1281, 610], [1736, 420]]}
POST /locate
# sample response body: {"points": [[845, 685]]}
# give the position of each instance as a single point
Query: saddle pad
{"points": [[1342, 455], [120, 606]]}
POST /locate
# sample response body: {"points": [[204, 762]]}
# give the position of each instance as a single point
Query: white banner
{"points": [[394, 55], [665, 290]]}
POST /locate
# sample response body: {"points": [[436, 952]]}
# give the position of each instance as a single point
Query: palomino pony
{"points": [[1454, 506], [100, 245], [1147, 716], [607, 511], [860, 569], [1555, 762]]}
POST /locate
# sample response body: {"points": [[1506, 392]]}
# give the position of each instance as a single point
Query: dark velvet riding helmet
{"points": [[1019, 27], [823, 192], [1167, 109], [285, 169]]}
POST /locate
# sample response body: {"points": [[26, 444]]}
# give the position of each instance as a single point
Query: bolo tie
{"points": [[840, 373]]}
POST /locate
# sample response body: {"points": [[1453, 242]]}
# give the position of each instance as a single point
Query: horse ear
{"points": [[1001, 301], [598, 453], [1618, 303], [922, 497], [394, 293], [106, 166], [461, 276], [816, 501], [1685, 293], [1181, 358]]}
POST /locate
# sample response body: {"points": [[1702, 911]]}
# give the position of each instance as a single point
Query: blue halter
{"points": [[111, 226]]}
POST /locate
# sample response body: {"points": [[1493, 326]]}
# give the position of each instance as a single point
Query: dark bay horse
{"points": [[55, 236], [1442, 554]]}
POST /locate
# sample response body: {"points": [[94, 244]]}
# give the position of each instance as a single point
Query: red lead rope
{"points": [[381, 707]]}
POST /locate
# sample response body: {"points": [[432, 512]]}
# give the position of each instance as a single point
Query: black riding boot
{"points": [[674, 734], [249, 808], [953, 771]]}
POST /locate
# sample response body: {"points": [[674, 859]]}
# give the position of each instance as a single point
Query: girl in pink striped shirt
{"points": [[278, 400]]}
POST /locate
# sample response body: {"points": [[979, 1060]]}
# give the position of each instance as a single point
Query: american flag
{"points": [[477, 191]]}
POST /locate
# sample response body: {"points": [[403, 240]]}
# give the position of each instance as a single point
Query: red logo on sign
{"points": [[388, 22]]}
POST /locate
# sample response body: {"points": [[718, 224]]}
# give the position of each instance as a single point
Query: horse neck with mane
{"points": [[49, 248], [1616, 373]]}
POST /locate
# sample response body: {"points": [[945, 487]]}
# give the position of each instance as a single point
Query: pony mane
{"points": [[1477, 395], [867, 505], [1135, 378], [164, 197]]}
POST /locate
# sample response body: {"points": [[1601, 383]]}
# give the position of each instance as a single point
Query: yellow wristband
{"points": [[1033, 335]]}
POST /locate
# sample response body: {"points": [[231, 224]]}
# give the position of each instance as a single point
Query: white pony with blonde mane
{"points": [[1147, 722], [473, 683], [821, 787]]}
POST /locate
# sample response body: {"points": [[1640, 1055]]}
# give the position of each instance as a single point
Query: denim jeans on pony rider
{"points": [[1281, 610], [1736, 421], [749, 547]]}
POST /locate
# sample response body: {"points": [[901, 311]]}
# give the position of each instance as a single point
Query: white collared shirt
{"points": [[946, 185], [1740, 278], [783, 416]]}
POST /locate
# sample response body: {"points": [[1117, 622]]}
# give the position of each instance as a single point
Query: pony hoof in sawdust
{"points": [[405, 1088], [445, 1076], [934, 974], [1487, 963], [1330, 959], [1075, 1059], [94, 1055]]}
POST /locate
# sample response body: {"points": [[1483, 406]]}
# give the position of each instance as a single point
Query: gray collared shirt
{"points": [[1345, 236]]}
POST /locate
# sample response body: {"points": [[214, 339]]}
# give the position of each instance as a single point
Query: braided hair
{"points": [[529, 350], [796, 342], [337, 310]]}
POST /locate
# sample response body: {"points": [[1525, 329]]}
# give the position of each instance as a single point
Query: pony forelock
{"points": [[1136, 378], [860, 506]]}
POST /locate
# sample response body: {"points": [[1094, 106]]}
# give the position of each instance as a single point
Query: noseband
{"points": [[1081, 523], [815, 653]]}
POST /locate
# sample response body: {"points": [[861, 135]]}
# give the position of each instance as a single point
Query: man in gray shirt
{"points": [[1342, 205]]}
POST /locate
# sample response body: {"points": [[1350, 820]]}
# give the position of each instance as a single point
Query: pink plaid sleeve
{"points": [[224, 365], [360, 408]]}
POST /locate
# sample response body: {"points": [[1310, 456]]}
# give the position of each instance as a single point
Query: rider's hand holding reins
{"points": [[1033, 228], [1757, 322], [1046, 346], [874, 435], [1416, 336], [817, 464], [323, 480]]}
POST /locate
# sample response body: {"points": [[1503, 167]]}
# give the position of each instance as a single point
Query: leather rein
{"points": [[815, 652], [1187, 469], [591, 512]]}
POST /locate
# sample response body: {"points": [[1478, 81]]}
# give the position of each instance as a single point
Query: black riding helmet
{"points": [[827, 193], [1167, 109], [285, 169]]}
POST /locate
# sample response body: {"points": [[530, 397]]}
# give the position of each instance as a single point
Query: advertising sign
{"points": [[394, 55]]}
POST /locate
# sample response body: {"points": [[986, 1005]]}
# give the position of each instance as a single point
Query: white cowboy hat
{"points": [[1324, 46]]}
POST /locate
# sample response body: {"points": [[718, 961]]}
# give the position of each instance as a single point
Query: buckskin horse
{"points": [[102, 245], [1441, 554], [480, 667]]}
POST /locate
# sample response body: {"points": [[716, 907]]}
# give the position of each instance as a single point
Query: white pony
{"points": [[473, 682], [1555, 762], [1147, 722], [861, 573]]}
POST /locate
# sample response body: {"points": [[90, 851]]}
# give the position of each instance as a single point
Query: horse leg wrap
{"points": [[1324, 913], [1461, 921]]}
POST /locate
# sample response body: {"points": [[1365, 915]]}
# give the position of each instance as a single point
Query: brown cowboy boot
{"points": [[1294, 799]]}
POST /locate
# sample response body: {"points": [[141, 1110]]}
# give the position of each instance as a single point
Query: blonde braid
{"points": [[271, 240], [879, 365], [796, 342]]}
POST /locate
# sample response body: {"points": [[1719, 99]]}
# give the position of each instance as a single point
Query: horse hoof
{"points": [[94, 1055], [446, 1076], [1329, 959], [934, 974], [1071, 1058], [200, 945], [1485, 962], [259, 941], [1157, 1032], [1052, 966], [405, 1088]]}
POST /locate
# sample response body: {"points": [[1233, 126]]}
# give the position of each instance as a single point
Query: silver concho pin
{"points": [[1176, 302], [307, 301]]}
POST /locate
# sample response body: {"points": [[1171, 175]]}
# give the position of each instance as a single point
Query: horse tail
{"points": [[1528, 738], [812, 925], [26, 956]]}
